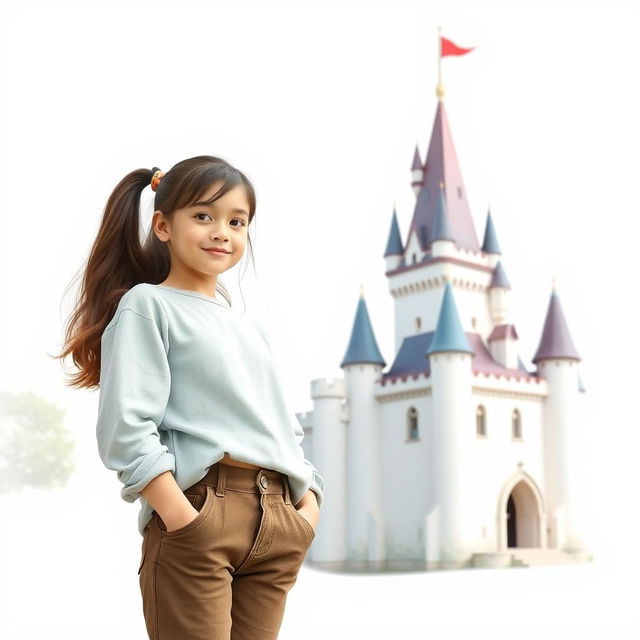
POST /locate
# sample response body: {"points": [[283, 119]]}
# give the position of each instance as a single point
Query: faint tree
{"points": [[35, 447]]}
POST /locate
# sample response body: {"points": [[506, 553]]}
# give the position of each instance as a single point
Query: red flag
{"points": [[447, 48]]}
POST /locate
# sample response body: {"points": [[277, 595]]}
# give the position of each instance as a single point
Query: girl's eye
{"points": [[240, 220]]}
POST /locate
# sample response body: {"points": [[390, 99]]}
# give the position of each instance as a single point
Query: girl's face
{"points": [[194, 231]]}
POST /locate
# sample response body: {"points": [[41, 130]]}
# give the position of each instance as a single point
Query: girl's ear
{"points": [[160, 225]]}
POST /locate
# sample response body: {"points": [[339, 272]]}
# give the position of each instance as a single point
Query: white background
{"points": [[322, 104]]}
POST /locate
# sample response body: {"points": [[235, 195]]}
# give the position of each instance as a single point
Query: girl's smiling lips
{"points": [[216, 250]]}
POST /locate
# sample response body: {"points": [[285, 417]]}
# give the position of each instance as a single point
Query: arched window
{"points": [[418, 324], [481, 421], [414, 258], [412, 424], [516, 425]]}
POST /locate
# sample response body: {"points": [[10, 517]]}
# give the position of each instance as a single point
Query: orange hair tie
{"points": [[156, 178]]}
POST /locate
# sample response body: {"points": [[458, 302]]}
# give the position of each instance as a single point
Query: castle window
{"points": [[418, 324], [412, 424], [414, 258], [460, 193], [474, 322], [481, 421], [516, 425]]}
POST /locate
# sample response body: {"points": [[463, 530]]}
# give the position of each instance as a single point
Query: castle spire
{"points": [[417, 172], [499, 278], [490, 243], [441, 165], [394, 242], [449, 334], [363, 347], [556, 341]]}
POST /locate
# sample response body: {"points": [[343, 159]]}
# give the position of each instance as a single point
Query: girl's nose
{"points": [[219, 233]]}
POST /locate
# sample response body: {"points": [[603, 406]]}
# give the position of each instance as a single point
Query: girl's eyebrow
{"points": [[208, 204]]}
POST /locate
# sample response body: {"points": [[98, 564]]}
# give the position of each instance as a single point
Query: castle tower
{"points": [[330, 455], [564, 437], [362, 365], [450, 356]]}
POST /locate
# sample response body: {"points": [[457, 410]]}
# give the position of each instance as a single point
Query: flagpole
{"points": [[439, 88], [439, 55]]}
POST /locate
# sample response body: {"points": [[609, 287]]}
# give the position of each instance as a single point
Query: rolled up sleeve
{"points": [[135, 382]]}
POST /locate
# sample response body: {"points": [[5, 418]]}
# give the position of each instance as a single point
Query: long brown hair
{"points": [[118, 261]]}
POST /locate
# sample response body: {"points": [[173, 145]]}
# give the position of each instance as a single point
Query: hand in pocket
{"points": [[183, 520], [310, 513]]}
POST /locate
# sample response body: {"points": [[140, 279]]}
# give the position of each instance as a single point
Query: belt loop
{"points": [[222, 476], [287, 498]]}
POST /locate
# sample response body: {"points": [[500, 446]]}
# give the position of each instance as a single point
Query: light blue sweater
{"points": [[184, 378]]}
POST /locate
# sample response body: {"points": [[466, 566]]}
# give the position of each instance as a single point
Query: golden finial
{"points": [[441, 184], [361, 290], [553, 283]]}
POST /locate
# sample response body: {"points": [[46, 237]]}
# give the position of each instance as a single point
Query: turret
{"points": [[450, 356], [503, 341], [499, 288], [417, 172], [490, 243], [564, 434], [394, 252], [330, 455], [362, 365]]}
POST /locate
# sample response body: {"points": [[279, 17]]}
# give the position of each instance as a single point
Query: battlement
{"points": [[328, 388]]}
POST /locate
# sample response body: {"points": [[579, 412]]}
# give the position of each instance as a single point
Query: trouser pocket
{"points": [[201, 497], [311, 532]]}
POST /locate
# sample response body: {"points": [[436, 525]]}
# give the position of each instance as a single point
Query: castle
{"points": [[456, 455]]}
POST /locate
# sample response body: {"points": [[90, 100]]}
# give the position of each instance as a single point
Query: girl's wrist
{"points": [[308, 498]]}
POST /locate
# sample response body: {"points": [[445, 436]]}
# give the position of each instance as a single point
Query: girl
{"points": [[191, 413]]}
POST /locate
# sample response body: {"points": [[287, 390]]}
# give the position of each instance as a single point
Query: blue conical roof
{"points": [[499, 278], [449, 335], [394, 243], [490, 243], [441, 229], [363, 347]]}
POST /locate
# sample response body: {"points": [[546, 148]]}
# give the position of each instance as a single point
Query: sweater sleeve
{"points": [[135, 382]]}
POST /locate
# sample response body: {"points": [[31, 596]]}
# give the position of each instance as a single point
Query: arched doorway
{"points": [[521, 515]]}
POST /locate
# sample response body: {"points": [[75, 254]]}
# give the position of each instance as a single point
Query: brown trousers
{"points": [[226, 574]]}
